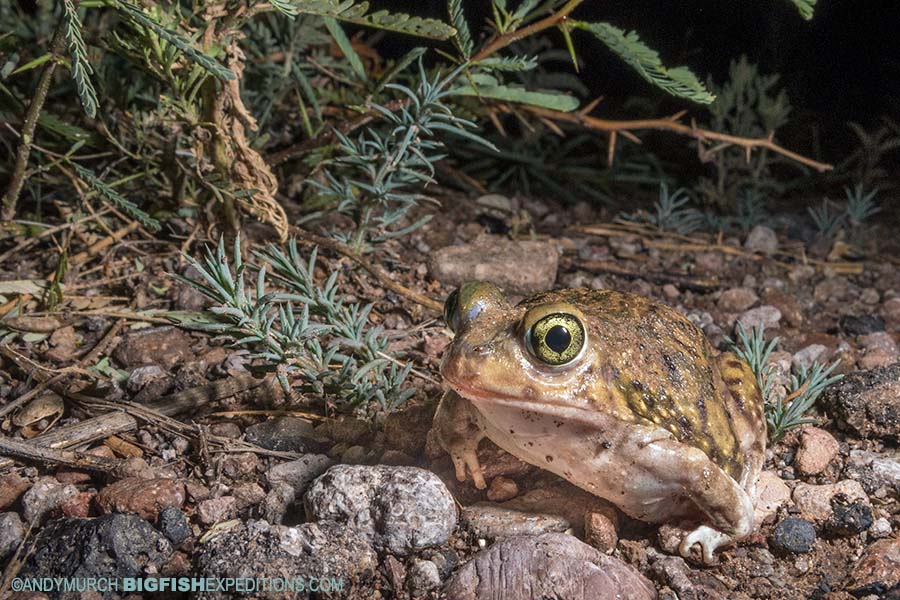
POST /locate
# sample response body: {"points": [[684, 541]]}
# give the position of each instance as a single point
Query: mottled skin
{"points": [[645, 416]]}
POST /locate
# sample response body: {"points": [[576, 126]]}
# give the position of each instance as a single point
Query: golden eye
{"points": [[556, 339]]}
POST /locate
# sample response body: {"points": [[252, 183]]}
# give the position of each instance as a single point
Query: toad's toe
{"points": [[709, 540]]}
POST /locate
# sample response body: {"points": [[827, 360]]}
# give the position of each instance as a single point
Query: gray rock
{"points": [[766, 316], [794, 536], [762, 239], [400, 509], [174, 525], [499, 261], [12, 532], [805, 357], [550, 565], [44, 496], [336, 556], [493, 522], [674, 572], [423, 577], [285, 434], [277, 503], [874, 471], [113, 545], [298, 474], [867, 403]]}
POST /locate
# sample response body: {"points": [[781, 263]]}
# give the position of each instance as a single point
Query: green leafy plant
{"points": [[827, 221], [382, 167], [749, 104], [861, 205], [671, 212], [791, 409], [311, 336]]}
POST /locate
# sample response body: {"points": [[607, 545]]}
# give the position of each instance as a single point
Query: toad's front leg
{"points": [[457, 429]]}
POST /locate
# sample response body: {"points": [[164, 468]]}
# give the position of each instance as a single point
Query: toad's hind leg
{"points": [[726, 509]]}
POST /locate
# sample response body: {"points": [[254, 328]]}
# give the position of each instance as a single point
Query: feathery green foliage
{"points": [[358, 14], [462, 39], [791, 409], [381, 167], [805, 8], [176, 39], [313, 339], [81, 68], [678, 81], [127, 206]]}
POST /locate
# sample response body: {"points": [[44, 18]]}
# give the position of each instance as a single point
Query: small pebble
{"points": [[881, 528], [794, 535], [502, 489], [849, 517], [174, 525], [423, 577]]}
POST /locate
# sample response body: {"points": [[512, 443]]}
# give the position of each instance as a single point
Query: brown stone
{"points": [[12, 486], [880, 563], [164, 346], [772, 494], [502, 489], [817, 449], [814, 501], [600, 531], [145, 497], [499, 261]]}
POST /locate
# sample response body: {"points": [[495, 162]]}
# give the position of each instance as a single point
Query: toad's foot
{"points": [[708, 538]]}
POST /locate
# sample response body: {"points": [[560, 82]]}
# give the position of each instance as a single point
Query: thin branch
{"points": [[17, 180], [508, 38], [670, 124]]}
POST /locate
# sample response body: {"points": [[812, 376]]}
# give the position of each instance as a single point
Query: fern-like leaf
{"points": [[176, 39], [805, 8], [127, 206], [512, 64], [81, 69], [482, 85], [358, 13], [285, 7], [463, 38], [678, 81]]}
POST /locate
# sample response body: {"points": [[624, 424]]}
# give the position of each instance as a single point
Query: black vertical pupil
{"points": [[558, 338]]}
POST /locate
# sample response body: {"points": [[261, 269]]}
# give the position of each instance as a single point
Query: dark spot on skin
{"points": [[568, 475], [637, 385], [733, 382], [607, 445], [548, 458], [735, 364], [686, 426], [529, 444], [512, 432], [528, 391]]}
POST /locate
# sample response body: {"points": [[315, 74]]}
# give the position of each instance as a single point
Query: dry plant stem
{"points": [[611, 268], [66, 458], [17, 180], [506, 39], [669, 124], [106, 242], [384, 278], [117, 421]]}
